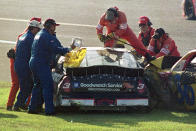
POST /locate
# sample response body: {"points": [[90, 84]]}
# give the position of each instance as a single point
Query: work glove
{"points": [[110, 36], [149, 58], [11, 53], [121, 41], [102, 37]]}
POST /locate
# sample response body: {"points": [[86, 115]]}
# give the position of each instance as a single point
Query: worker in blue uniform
{"points": [[44, 47], [21, 64]]}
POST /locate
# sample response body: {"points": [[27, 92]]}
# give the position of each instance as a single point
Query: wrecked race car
{"points": [[98, 78], [173, 81]]}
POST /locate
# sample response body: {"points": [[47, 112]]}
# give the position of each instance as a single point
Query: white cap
{"points": [[35, 23]]}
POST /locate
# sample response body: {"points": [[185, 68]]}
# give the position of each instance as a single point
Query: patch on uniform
{"points": [[165, 51], [99, 26], [52, 41], [37, 37], [123, 26], [22, 38], [151, 48], [166, 46]]}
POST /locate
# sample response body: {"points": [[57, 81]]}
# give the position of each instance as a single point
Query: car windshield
{"points": [[109, 57]]}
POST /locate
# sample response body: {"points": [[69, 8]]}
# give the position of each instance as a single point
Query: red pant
{"points": [[15, 85]]}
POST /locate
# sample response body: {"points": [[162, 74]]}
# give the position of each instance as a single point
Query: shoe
{"points": [[24, 108], [41, 110], [9, 108], [32, 112], [16, 108], [51, 114]]}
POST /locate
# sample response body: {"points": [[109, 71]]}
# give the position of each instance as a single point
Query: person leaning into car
{"points": [[161, 44], [117, 28], [45, 45]]}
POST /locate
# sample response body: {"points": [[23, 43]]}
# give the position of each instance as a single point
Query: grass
{"points": [[93, 121]]}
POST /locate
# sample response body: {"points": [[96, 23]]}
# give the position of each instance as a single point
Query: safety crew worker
{"points": [[161, 44], [21, 64], [146, 31], [45, 45], [117, 29], [14, 78]]}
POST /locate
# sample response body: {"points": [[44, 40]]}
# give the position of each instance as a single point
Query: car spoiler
{"points": [[93, 70], [165, 62]]}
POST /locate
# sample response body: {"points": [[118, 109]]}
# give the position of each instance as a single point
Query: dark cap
{"points": [[50, 22], [158, 33], [111, 13]]}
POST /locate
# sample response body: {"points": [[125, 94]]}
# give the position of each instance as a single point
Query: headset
{"points": [[159, 33], [149, 23]]}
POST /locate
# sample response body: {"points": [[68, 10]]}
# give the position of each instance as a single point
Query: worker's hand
{"points": [[149, 58], [110, 36], [11, 53], [102, 37]]}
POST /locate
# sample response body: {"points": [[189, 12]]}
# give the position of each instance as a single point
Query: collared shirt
{"points": [[23, 46]]}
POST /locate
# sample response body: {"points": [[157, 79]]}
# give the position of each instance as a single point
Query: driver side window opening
{"points": [[192, 65]]}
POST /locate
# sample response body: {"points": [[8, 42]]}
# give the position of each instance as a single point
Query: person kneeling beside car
{"points": [[161, 44]]}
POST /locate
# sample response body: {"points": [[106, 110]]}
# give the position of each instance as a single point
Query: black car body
{"points": [[105, 78]]}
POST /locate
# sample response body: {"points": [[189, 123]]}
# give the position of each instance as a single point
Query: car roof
{"points": [[97, 56]]}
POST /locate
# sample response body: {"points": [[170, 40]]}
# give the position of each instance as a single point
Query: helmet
{"points": [[158, 33], [50, 22], [35, 22], [144, 20], [111, 13]]}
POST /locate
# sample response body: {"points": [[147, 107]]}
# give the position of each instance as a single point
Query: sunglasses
{"points": [[142, 25]]}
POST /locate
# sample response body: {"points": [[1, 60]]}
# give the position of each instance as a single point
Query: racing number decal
{"points": [[189, 98], [187, 94]]}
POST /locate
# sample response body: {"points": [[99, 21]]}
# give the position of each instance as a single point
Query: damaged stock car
{"points": [[173, 81], [98, 78]]}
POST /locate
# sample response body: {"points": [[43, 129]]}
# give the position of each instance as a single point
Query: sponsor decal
{"points": [[186, 94], [75, 84], [116, 85]]}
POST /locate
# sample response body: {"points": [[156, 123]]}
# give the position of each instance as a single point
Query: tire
{"points": [[189, 10]]}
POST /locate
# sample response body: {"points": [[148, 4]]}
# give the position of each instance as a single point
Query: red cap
{"points": [[36, 18], [143, 20]]}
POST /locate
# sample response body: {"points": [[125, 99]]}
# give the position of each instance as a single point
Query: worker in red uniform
{"points": [[161, 44], [146, 31], [14, 78], [117, 28]]}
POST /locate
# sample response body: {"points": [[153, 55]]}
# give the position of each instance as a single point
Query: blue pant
{"points": [[25, 82], [43, 86]]}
